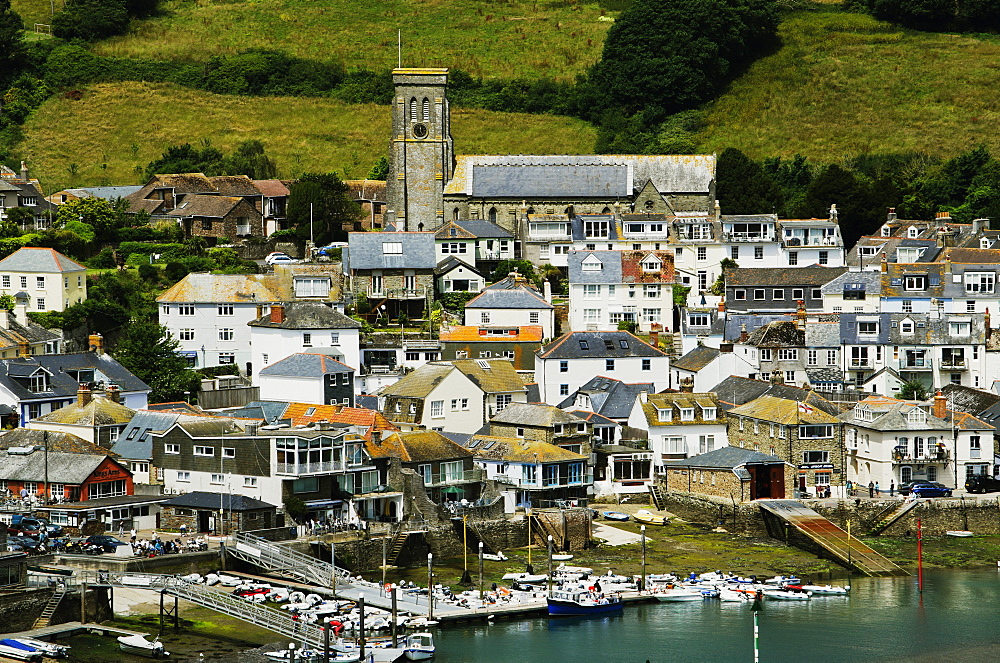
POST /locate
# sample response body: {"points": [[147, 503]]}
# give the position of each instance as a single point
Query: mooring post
{"points": [[326, 640], [83, 603], [361, 626], [392, 591], [177, 621], [161, 611]]}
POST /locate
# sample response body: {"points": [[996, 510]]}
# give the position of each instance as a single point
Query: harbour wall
{"points": [[18, 611]]}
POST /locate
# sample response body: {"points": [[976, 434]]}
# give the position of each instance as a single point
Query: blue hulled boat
{"points": [[582, 603]]}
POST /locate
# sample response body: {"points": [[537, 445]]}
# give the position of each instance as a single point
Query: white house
{"points": [[573, 359], [52, 281], [680, 425], [310, 327], [511, 302], [610, 287], [306, 377]]}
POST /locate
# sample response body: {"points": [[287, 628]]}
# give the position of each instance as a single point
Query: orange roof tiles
{"points": [[528, 333], [338, 414]]}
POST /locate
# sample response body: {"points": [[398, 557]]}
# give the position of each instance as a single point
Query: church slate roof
{"points": [[550, 181]]}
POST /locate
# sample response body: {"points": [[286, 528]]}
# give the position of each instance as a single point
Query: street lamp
{"points": [[480, 571], [430, 586]]}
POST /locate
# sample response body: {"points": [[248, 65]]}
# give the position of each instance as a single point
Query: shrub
{"points": [[91, 20], [149, 273]]}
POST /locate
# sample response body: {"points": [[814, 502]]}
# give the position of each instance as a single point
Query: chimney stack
{"points": [[643, 396], [777, 377], [722, 306], [833, 213], [113, 393], [21, 308], [892, 214], [260, 311], [83, 395], [654, 334], [940, 405], [547, 290], [23, 349], [5, 318], [687, 384], [800, 315], [277, 313], [377, 437], [885, 264], [96, 343], [24, 171], [743, 333], [986, 325]]}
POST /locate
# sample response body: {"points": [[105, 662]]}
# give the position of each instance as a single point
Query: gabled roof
{"points": [[514, 298], [451, 262], [491, 375], [135, 442], [610, 271], [780, 276], [56, 440], [419, 383], [698, 358], [421, 446], [100, 411], [60, 467], [279, 286], [868, 282], [593, 418], [225, 501], [208, 206], [599, 344], [969, 399], [61, 384], [104, 192], [366, 250], [300, 414], [778, 334], [519, 450], [735, 390], [610, 397], [234, 185], [308, 315], [39, 261], [727, 458], [533, 414], [673, 402], [271, 188], [782, 411], [305, 365]]}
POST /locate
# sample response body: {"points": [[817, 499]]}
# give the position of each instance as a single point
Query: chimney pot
{"points": [[24, 349], [277, 313], [722, 306], [113, 393], [940, 405], [96, 343], [83, 395]]}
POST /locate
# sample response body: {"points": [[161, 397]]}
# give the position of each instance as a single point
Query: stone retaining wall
{"points": [[19, 611]]}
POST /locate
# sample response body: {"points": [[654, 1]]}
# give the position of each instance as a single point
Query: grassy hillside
{"points": [[844, 84], [110, 135], [493, 39]]}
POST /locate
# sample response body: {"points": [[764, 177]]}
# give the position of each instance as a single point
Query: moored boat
{"points": [[419, 647], [733, 596], [826, 590], [582, 603], [649, 518], [140, 646], [787, 595], [562, 557], [961, 533], [14, 649], [616, 515], [49, 649], [679, 594]]}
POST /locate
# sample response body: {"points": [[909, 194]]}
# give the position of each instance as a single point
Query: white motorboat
{"points": [[419, 647], [732, 596], [499, 557], [826, 590], [563, 557], [140, 646], [786, 595], [49, 649], [678, 594], [420, 622], [18, 651], [961, 533], [314, 656]]}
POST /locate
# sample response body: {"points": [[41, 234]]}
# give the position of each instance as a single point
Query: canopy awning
{"points": [[322, 504], [452, 490]]}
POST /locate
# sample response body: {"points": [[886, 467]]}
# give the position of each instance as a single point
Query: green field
{"points": [[110, 135], [845, 84], [491, 38]]}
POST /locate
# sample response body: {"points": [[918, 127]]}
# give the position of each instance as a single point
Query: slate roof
{"points": [[822, 334], [563, 176], [365, 251], [610, 272], [202, 500], [578, 229], [780, 333], [600, 344], [503, 298], [595, 419], [57, 441], [735, 391], [501, 377], [534, 394], [421, 446], [519, 450], [14, 373], [969, 399], [16, 333], [870, 282], [308, 315], [105, 192], [100, 411], [726, 458], [41, 261], [450, 263], [215, 207], [926, 330], [470, 334], [71, 468], [698, 358], [781, 411], [419, 383], [306, 365], [473, 228], [533, 414], [780, 276], [610, 397], [734, 323]]}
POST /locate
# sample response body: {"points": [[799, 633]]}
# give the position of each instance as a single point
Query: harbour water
{"points": [[884, 619]]}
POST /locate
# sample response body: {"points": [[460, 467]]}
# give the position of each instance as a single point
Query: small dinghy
{"points": [[616, 515], [140, 646], [787, 595], [499, 557], [49, 649], [13, 649], [961, 533], [826, 590], [678, 595], [562, 557], [733, 596], [419, 647]]}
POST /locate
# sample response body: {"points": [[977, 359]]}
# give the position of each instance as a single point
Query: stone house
{"points": [[518, 343], [679, 424], [732, 473], [223, 218], [198, 512], [445, 467], [806, 436], [543, 423], [393, 271]]}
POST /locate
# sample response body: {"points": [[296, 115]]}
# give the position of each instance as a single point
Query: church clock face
{"points": [[419, 131]]}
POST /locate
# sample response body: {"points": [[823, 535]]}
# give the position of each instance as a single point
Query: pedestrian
{"points": [[184, 529], [850, 488], [134, 534], [878, 493], [871, 489], [892, 488]]}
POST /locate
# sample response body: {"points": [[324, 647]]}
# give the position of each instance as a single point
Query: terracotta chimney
{"points": [[654, 334], [940, 405], [743, 333], [83, 395], [113, 393], [777, 377], [96, 343], [885, 264], [277, 313], [722, 306], [687, 384], [23, 349]]}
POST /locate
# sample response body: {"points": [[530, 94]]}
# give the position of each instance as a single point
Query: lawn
{"points": [[111, 134], [493, 38], [844, 84]]}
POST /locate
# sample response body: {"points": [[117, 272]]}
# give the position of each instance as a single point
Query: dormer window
{"points": [[867, 327], [664, 414], [392, 248], [906, 327], [980, 282], [913, 232], [708, 413], [687, 414], [984, 243], [651, 263], [959, 328], [592, 264], [38, 382], [916, 416], [863, 413], [886, 231], [915, 283]]}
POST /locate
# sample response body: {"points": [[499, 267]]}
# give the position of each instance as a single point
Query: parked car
{"points": [[108, 543], [32, 526], [980, 483], [279, 258], [929, 489]]}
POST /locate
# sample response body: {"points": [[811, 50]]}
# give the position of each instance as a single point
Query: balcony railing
{"points": [[916, 364], [925, 457], [860, 363], [811, 241], [747, 237], [954, 364], [398, 293], [298, 469], [451, 478], [543, 483]]}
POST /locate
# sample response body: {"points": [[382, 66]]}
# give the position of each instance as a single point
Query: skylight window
{"points": [[584, 345]]}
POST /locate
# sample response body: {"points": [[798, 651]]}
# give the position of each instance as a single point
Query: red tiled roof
{"points": [[528, 334], [338, 414]]}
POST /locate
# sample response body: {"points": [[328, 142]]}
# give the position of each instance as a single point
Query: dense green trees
{"points": [[248, 159], [969, 15], [325, 198], [91, 20], [148, 350], [11, 42]]}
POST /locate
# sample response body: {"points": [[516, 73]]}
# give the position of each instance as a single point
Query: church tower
{"points": [[421, 154]]}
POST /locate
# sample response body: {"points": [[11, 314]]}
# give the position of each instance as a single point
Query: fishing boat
{"points": [[650, 518], [787, 595], [140, 646], [419, 646], [615, 515], [14, 649], [49, 649], [678, 595], [582, 603], [961, 533]]}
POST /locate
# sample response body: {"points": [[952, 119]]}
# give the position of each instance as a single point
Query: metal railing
{"points": [[447, 478], [953, 363], [916, 364], [283, 560], [310, 468]]}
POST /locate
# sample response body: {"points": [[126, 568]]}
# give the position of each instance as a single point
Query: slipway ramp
{"points": [[849, 551]]}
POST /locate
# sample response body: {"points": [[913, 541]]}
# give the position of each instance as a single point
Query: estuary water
{"points": [[955, 620]]}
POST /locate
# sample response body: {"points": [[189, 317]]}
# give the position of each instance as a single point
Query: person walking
{"points": [[871, 489], [892, 488], [878, 493], [134, 534]]}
